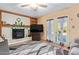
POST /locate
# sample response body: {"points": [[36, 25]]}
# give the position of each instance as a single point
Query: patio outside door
{"points": [[50, 30], [62, 31]]}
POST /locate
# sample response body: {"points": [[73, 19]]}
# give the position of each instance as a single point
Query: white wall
{"points": [[10, 19]]}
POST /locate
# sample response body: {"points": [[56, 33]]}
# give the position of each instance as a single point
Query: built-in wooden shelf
{"points": [[8, 25]]}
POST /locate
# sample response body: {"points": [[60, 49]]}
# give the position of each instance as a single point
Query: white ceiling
{"points": [[30, 12]]}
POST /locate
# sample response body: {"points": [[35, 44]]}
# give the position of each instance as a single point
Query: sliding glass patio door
{"points": [[62, 31], [50, 30]]}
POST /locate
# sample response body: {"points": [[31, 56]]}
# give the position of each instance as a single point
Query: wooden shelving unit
{"points": [[8, 25]]}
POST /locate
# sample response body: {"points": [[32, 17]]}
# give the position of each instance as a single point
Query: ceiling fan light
{"points": [[34, 6]]}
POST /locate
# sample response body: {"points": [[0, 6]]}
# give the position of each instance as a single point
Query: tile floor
{"points": [[35, 48]]}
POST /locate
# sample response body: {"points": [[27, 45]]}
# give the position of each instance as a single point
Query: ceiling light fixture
{"points": [[34, 6]]}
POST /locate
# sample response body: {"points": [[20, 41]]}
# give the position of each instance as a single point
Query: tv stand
{"points": [[36, 36]]}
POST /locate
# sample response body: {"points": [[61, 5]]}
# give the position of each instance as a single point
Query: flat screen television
{"points": [[36, 28]]}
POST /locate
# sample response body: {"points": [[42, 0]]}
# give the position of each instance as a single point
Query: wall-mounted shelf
{"points": [[8, 25]]}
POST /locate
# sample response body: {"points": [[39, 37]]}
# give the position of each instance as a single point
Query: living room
{"points": [[31, 29]]}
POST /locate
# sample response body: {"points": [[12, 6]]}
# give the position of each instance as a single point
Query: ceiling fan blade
{"points": [[25, 5], [42, 5]]}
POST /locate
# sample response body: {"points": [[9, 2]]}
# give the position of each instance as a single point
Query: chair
{"points": [[4, 49]]}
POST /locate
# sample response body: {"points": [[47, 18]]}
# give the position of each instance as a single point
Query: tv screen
{"points": [[36, 28]]}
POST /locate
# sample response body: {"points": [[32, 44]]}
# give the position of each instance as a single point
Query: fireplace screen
{"points": [[17, 33]]}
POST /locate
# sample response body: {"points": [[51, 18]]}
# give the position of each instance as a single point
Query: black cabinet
{"points": [[36, 36]]}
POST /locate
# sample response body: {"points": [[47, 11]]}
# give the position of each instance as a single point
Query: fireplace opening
{"points": [[17, 33]]}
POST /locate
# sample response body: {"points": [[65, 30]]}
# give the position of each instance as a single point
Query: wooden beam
{"points": [[15, 13], [34, 20]]}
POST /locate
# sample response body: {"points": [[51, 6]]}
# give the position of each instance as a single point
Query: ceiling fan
{"points": [[34, 6]]}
